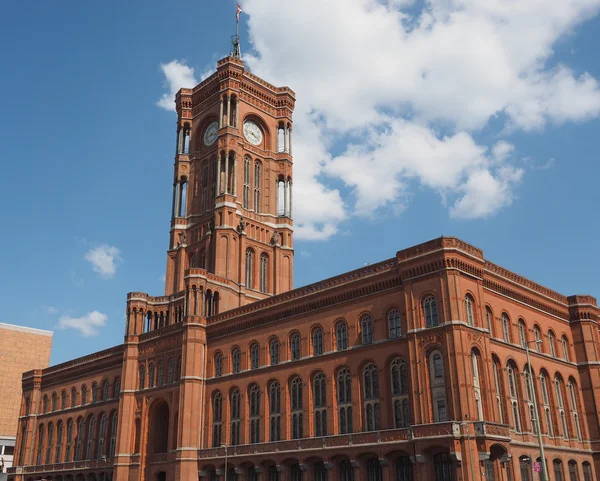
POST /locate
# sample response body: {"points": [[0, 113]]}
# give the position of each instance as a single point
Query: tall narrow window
{"points": [[394, 324], [400, 393], [320, 472], [366, 329], [94, 392], [83, 395], [246, 194], [105, 391], [117, 388], [296, 407], [505, 328], [488, 319], [142, 377], [551, 344], [522, 336], [161, 373], [274, 351], [404, 469], [558, 470], [295, 346], [50, 443], [587, 471], [499, 391], [217, 406], [444, 471], [341, 336], [574, 413], [430, 311], [151, 375], [254, 356], [236, 358], [296, 472], [346, 471], [171, 377], [537, 336], [573, 476], [63, 400], [525, 468], [45, 404], [274, 411], [113, 435], [565, 347], [54, 401], [73, 397], [320, 404], [218, 364], [203, 204], [371, 395], [257, 183], [514, 400], [80, 440], [254, 413], [249, 262], [344, 398], [561, 408], [374, 470], [91, 436], [68, 445], [438, 387], [317, 341], [101, 435], [264, 263], [477, 385], [40, 445], [235, 417], [469, 310]]}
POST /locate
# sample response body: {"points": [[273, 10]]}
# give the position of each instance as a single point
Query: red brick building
{"points": [[413, 368]]}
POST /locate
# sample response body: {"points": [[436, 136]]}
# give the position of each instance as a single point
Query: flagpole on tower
{"points": [[235, 40]]}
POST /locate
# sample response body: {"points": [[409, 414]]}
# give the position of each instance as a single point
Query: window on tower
{"points": [[246, 193], [249, 263], [257, 181]]}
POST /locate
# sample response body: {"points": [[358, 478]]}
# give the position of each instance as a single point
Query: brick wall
{"points": [[21, 349]]}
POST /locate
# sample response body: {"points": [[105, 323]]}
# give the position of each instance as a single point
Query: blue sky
{"points": [[487, 135]]}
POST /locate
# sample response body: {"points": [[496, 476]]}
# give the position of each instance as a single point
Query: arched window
{"points": [[218, 364], [94, 393], [50, 443], [117, 388], [264, 264], [400, 393], [105, 390], [246, 193], [63, 399], [529, 399], [161, 373], [499, 392], [514, 397], [91, 436], [254, 356], [488, 319], [438, 387], [235, 417], [404, 469], [477, 385], [217, 405], [296, 407], [341, 336], [236, 359], [274, 351], [45, 404], [525, 468], [73, 397], [430, 311], [561, 407], [113, 434], [142, 377], [254, 400], [192, 261], [371, 398], [505, 328], [522, 334], [537, 336], [83, 395], [151, 375], [69, 442], [366, 329], [546, 403], [444, 471], [344, 398], [394, 324], [80, 440], [295, 346], [347, 471], [54, 401], [374, 472], [587, 471], [257, 183], [101, 435], [249, 268], [558, 470], [274, 411], [551, 344], [320, 405], [573, 476], [317, 341], [469, 310], [171, 376], [40, 445], [565, 348], [320, 472], [574, 410]]}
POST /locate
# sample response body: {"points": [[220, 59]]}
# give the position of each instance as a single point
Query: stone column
{"points": [[221, 112], [285, 139], [195, 301], [357, 471], [176, 195], [285, 198], [290, 140], [290, 199], [235, 172], [237, 112], [203, 310], [226, 173], [228, 110], [218, 175]]}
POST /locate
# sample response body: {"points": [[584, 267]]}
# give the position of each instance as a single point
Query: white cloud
{"points": [[104, 260], [392, 94], [88, 324], [162, 277], [177, 75]]}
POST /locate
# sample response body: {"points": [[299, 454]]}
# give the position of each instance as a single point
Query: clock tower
{"points": [[231, 238]]}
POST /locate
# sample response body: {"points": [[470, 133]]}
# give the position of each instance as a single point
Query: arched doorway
{"points": [[158, 435]]}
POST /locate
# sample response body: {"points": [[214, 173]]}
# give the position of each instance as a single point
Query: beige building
{"points": [[21, 349]]}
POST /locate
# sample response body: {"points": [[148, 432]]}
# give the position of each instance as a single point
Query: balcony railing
{"points": [[160, 458], [57, 467], [483, 428]]}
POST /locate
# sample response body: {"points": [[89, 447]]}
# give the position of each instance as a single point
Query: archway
{"points": [[158, 436]]}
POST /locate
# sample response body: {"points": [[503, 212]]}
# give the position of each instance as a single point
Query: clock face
{"points": [[210, 134], [252, 133]]}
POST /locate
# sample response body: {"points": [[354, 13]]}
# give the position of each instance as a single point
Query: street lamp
{"points": [[537, 417], [225, 477]]}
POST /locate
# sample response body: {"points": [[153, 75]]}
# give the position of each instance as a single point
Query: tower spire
{"points": [[235, 39]]}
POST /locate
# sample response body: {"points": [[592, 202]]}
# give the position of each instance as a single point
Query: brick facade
{"points": [[413, 368]]}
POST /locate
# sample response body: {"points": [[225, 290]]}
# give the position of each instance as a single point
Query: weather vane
{"points": [[235, 40]]}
